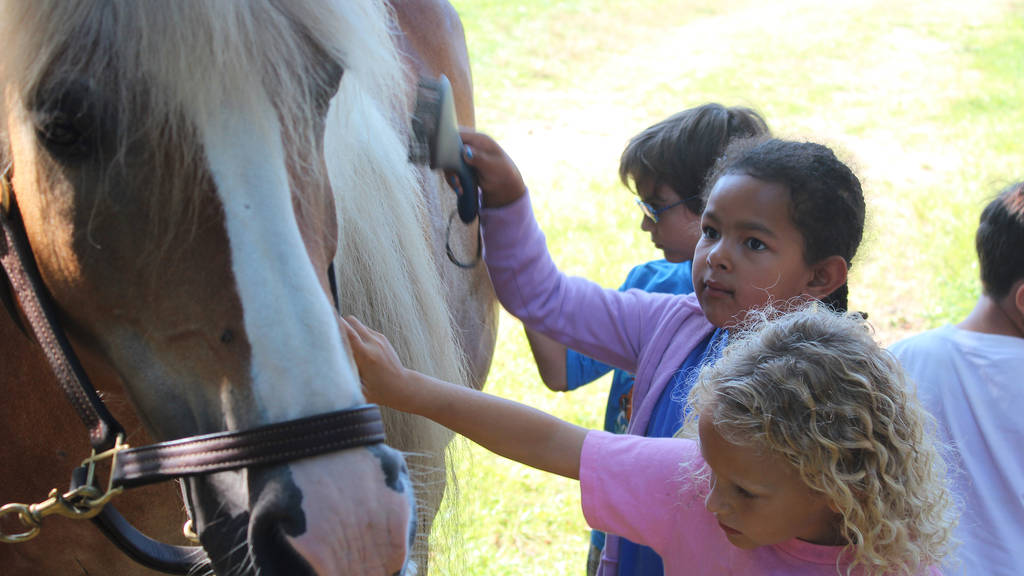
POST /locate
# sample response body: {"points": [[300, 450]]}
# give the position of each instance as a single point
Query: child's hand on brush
{"points": [[499, 179]]}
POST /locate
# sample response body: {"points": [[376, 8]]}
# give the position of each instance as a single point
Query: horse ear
{"points": [[829, 275]]}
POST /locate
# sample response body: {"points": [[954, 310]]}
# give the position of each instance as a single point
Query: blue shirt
{"points": [[667, 416], [655, 276]]}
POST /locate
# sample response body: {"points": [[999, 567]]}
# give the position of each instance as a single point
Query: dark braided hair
{"points": [[826, 199]]}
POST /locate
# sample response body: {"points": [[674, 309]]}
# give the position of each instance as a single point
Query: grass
{"points": [[922, 97]]}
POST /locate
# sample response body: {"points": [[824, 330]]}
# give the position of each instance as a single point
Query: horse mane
{"points": [[196, 57], [384, 241]]}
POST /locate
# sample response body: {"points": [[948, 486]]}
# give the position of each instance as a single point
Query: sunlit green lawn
{"points": [[922, 97]]}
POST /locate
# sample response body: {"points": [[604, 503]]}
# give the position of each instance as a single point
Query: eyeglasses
{"points": [[652, 212]]}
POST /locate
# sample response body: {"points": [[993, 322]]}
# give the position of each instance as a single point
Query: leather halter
{"points": [[192, 456]]}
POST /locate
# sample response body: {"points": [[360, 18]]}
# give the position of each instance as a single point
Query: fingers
{"points": [[473, 139], [368, 345], [350, 323], [497, 175], [353, 321], [348, 326], [453, 181], [374, 357], [361, 338], [480, 150], [356, 327]]}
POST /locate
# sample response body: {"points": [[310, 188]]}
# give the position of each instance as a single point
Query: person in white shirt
{"points": [[971, 378]]}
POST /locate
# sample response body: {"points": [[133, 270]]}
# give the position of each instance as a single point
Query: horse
{"points": [[199, 182]]}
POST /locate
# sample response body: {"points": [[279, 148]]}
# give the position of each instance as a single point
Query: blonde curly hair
{"points": [[813, 386]]}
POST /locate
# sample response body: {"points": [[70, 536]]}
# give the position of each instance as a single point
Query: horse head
{"points": [[169, 164]]}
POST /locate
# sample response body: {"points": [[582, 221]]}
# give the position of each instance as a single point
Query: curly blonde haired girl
{"points": [[811, 459], [813, 392]]}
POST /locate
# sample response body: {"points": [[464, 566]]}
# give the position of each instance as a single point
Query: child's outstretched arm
{"points": [[507, 428]]}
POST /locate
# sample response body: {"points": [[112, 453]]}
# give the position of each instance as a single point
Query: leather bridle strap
{"points": [[148, 552], [272, 444], [19, 265], [198, 455], [23, 278]]}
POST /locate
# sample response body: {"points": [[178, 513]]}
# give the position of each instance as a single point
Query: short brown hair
{"points": [[680, 150], [1000, 242]]}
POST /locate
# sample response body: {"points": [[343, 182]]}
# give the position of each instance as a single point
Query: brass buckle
{"points": [[189, 531], [5, 191], [82, 503]]}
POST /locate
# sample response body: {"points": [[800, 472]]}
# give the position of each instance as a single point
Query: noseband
{"points": [[131, 467]]}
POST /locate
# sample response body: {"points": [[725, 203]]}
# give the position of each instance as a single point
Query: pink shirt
{"points": [[662, 506]]}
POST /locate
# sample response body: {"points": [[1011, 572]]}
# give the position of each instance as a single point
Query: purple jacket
{"points": [[647, 334]]}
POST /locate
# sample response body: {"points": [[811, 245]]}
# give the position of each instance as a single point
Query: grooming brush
{"points": [[436, 141]]}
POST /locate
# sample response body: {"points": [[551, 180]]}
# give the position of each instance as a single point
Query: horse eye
{"points": [[59, 133], [65, 121]]}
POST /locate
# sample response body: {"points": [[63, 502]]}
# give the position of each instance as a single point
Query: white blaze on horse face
{"points": [[290, 324], [357, 519]]}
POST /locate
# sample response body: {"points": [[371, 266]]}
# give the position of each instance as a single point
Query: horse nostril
{"points": [[224, 541], [277, 513]]}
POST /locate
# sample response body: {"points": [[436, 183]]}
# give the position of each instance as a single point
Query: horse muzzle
{"points": [[302, 519]]}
